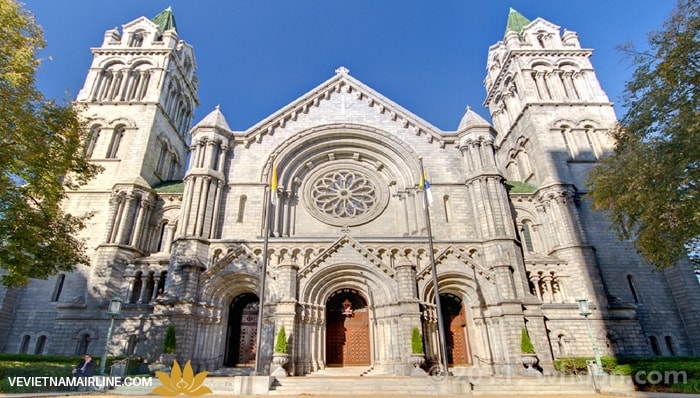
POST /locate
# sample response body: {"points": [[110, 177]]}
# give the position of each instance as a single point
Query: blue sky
{"points": [[255, 56]]}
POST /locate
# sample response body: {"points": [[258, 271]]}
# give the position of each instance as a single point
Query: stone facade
{"points": [[348, 263]]}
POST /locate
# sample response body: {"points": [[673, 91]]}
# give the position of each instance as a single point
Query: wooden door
{"points": [[457, 340], [347, 339], [248, 335]]}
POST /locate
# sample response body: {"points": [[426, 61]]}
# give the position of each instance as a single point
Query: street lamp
{"points": [[585, 311], [115, 307]]}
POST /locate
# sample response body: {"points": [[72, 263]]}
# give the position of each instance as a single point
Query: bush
{"points": [[281, 343], [526, 346], [631, 366], [416, 341], [170, 343]]}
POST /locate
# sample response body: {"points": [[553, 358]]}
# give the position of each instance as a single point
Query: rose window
{"points": [[345, 195]]}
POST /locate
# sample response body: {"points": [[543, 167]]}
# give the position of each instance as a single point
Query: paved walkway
{"points": [[638, 394]]}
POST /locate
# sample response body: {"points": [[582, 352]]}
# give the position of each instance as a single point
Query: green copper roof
{"points": [[516, 22], [165, 20], [172, 186], [520, 187]]}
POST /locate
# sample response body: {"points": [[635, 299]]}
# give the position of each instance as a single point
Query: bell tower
{"points": [[139, 98], [140, 95], [551, 119]]}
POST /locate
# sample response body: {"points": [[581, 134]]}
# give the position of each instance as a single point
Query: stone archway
{"points": [[241, 331], [347, 329]]}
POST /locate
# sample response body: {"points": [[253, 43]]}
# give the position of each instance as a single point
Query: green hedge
{"points": [[630, 366], [25, 365]]}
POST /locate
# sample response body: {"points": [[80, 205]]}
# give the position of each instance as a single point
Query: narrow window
{"points": [[162, 237], [24, 347], [58, 288], [136, 290], [136, 39], [150, 285], [527, 237], [654, 346], [114, 143], [567, 144], [669, 346], [39, 350], [161, 283], [131, 345], [83, 344], [94, 135], [446, 204], [241, 208], [633, 289]]}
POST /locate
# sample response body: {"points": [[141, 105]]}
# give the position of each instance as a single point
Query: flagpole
{"points": [[266, 239], [433, 270]]}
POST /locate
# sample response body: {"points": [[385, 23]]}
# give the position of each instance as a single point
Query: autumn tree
{"points": [[41, 156], [649, 185]]}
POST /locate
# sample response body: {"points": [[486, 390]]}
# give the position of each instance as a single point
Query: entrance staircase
{"points": [[351, 381]]}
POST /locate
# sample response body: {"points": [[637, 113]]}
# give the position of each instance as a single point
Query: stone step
{"points": [[330, 385]]}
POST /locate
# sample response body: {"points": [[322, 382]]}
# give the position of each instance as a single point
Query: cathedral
{"points": [[318, 219]]}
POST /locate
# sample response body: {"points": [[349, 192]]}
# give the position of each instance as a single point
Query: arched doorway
{"points": [[347, 329], [241, 331], [455, 321]]}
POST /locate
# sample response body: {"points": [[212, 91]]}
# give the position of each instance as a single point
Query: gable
{"points": [[344, 99], [344, 251]]}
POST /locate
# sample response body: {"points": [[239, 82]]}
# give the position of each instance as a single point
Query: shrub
{"points": [[526, 346], [281, 343], [416, 341], [170, 343]]}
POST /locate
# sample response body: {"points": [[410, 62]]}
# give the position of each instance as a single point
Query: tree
{"points": [[41, 156], [649, 184]]}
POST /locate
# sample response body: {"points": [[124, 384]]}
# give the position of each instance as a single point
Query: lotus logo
{"points": [[181, 382]]}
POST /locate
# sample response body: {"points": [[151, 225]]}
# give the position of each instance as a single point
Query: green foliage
{"points": [[416, 341], [281, 343], [526, 346], [27, 365], [41, 155], [170, 343], [642, 366], [650, 184]]}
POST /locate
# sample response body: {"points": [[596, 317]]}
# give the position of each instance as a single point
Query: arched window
{"points": [[448, 209], [162, 237], [24, 346], [161, 283], [136, 38], [669, 346], [58, 288], [83, 344], [633, 288], [117, 135], [92, 142], [131, 345], [150, 286], [527, 237], [654, 346], [241, 208], [40, 344], [136, 290]]}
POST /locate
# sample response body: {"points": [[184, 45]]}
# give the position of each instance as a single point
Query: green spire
{"points": [[165, 20], [516, 22]]}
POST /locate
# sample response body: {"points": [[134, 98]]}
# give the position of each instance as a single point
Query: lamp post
{"points": [[115, 307], [585, 311]]}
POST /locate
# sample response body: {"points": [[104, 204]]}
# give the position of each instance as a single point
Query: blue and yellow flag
{"points": [[425, 185]]}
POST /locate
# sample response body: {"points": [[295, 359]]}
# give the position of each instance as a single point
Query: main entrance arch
{"points": [[347, 329], [241, 331], [456, 330]]}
